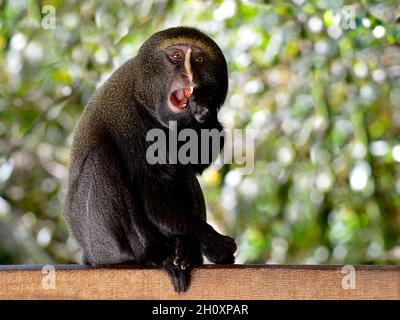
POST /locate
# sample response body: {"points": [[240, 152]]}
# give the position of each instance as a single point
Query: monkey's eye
{"points": [[177, 55], [199, 59]]}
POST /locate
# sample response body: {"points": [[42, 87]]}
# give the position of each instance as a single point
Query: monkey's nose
{"points": [[186, 80]]}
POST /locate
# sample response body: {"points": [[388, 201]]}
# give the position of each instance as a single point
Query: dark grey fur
{"points": [[121, 209]]}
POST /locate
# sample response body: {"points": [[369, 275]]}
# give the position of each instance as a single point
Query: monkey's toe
{"points": [[181, 263], [180, 278], [187, 253], [182, 259], [181, 281]]}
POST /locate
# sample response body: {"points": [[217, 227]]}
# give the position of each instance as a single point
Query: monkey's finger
{"points": [[199, 118], [184, 279], [184, 265]]}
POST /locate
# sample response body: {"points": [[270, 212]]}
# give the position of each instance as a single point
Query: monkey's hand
{"points": [[180, 263], [199, 111], [220, 249]]}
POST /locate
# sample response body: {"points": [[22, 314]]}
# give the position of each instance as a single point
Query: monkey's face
{"points": [[187, 75], [196, 86], [178, 62]]}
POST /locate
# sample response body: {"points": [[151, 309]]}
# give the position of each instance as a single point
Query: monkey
{"points": [[121, 209]]}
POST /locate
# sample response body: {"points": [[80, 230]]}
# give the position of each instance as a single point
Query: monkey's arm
{"points": [[216, 247], [186, 216]]}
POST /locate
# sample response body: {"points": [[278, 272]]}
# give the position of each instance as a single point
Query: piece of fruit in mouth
{"points": [[179, 98]]}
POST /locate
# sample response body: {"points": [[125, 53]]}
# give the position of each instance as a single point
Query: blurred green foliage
{"points": [[320, 87]]}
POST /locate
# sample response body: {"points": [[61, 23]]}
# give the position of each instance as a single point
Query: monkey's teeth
{"points": [[187, 93], [179, 98]]}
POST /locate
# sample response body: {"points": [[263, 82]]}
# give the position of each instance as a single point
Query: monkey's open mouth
{"points": [[179, 98]]}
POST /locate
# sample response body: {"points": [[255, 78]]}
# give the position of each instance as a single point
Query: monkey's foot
{"points": [[199, 112], [220, 250], [180, 278], [187, 253], [179, 265]]}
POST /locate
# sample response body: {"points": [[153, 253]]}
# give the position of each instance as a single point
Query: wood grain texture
{"points": [[209, 282]]}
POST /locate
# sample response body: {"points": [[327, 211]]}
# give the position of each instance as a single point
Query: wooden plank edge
{"points": [[242, 282]]}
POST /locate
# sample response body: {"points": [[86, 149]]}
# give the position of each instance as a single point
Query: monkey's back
{"points": [[109, 108]]}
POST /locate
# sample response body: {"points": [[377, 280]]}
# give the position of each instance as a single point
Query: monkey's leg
{"points": [[216, 247], [104, 217], [179, 264], [188, 253], [186, 216]]}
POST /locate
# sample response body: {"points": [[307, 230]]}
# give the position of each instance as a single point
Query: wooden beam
{"points": [[248, 282]]}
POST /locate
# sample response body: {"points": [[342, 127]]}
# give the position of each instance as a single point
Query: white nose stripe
{"points": [[188, 67]]}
